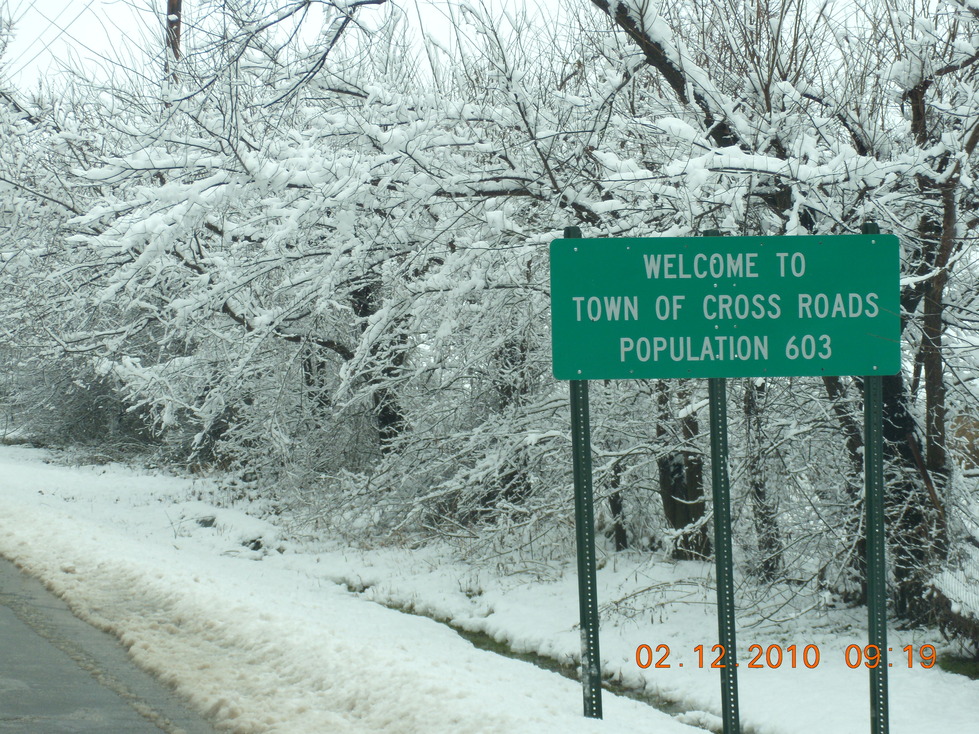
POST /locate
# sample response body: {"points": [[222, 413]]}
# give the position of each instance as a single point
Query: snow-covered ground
{"points": [[290, 637]]}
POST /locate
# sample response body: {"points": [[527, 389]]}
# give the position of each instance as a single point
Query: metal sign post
{"points": [[723, 549], [584, 513], [876, 571], [873, 453], [723, 553]]}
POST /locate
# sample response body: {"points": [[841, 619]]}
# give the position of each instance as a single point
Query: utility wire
{"points": [[40, 35], [61, 32]]}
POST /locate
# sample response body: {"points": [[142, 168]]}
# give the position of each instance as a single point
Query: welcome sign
{"points": [[725, 307]]}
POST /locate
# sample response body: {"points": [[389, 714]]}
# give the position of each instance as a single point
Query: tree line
{"points": [[318, 260]]}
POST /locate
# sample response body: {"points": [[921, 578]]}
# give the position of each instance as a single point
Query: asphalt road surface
{"points": [[58, 674]]}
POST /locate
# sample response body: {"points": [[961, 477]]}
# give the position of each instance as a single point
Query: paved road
{"points": [[58, 674]]}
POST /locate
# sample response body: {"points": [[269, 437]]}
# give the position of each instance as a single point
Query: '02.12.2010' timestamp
{"points": [[775, 656]]}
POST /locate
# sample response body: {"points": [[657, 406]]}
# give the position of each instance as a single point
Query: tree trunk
{"points": [[915, 511], [763, 507], [315, 372], [853, 589], [933, 363], [681, 480], [915, 541], [388, 414], [512, 483], [619, 536]]}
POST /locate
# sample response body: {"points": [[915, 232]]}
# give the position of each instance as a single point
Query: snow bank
{"points": [[258, 630], [260, 647]]}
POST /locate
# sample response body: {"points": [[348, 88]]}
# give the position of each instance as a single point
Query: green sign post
{"points": [[873, 478], [719, 307]]}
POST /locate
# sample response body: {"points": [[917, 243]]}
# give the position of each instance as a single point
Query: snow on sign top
{"points": [[725, 307]]}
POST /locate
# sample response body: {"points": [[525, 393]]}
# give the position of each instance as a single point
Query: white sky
{"points": [[48, 34]]}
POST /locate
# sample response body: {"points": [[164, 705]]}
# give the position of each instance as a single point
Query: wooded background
{"points": [[306, 245]]}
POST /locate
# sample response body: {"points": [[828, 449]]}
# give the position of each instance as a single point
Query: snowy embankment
{"points": [[270, 639], [260, 646]]}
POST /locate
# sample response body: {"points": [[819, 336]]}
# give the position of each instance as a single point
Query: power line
{"points": [[40, 35], [61, 32]]}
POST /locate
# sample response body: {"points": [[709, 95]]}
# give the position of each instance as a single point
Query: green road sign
{"points": [[725, 307]]}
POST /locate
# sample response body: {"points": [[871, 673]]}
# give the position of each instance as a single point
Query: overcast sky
{"points": [[93, 33], [48, 33]]}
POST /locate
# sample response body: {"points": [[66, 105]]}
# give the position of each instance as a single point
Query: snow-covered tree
{"points": [[316, 249]]}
